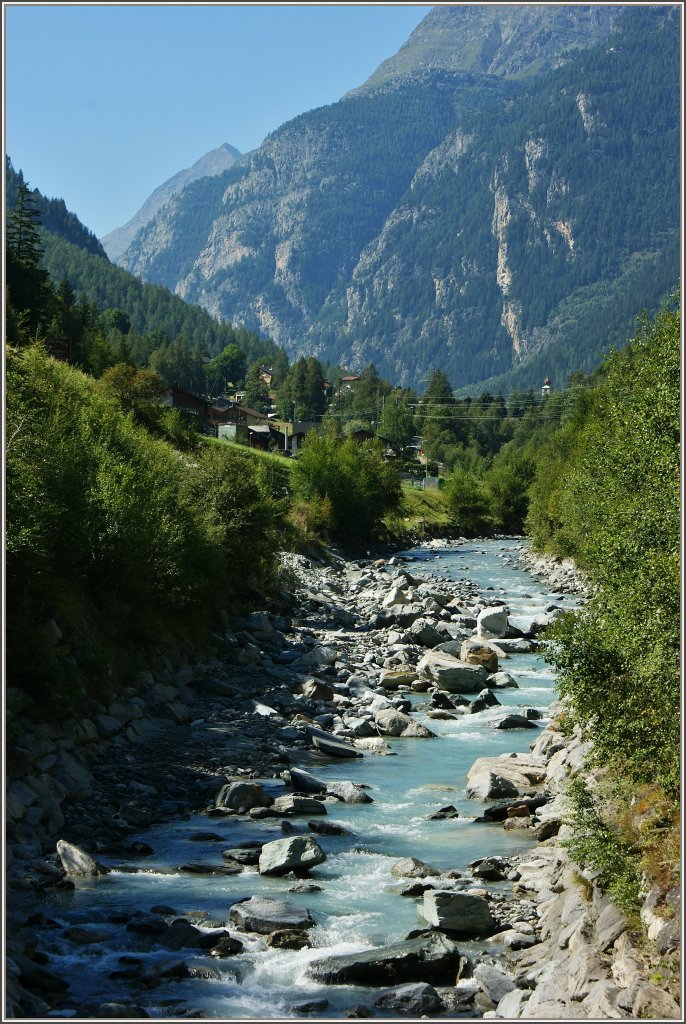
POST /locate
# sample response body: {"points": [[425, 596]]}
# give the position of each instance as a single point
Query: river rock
{"points": [[495, 982], [491, 778], [288, 938], [304, 782], [413, 1000], [315, 689], [293, 805], [263, 915], [394, 723], [476, 652], [241, 796], [432, 958], [460, 912], [328, 828], [76, 861], [491, 623], [423, 633], [391, 679], [410, 867], [451, 674], [348, 792], [295, 853], [502, 681], [513, 721], [484, 700], [484, 784], [330, 745]]}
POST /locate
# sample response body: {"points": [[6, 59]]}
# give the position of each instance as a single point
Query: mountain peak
{"points": [[212, 163], [505, 40]]}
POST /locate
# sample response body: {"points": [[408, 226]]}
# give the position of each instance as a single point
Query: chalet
{"points": [[349, 381], [547, 387], [58, 348], [266, 375], [177, 398]]}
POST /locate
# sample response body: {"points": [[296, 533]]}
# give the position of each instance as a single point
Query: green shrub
{"points": [[351, 482]]}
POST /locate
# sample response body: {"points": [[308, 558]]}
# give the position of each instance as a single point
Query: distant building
{"points": [[547, 387]]}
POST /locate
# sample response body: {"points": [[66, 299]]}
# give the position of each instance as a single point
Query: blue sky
{"points": [[105, 102]]}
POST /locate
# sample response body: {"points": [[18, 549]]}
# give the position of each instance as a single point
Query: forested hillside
{"points": [[501, 219], [145, 318]]}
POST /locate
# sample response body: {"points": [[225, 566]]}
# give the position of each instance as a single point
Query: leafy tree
{"points": [[256, 390], [132, 389], [228, 367]]}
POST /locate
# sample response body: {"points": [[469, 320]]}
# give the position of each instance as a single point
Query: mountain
{"points": [[71, 251], [209, 165], [506, 40], [500, 200]]}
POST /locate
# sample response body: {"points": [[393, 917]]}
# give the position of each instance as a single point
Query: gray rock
{"points": [[394, 723], [432, 958], [293, 805], [304, 782], [513, 721], [451, 674], [495, 982], [241, 796], [410, 867], [263, 915], [487, 785], [348, 792], [491, 623], [459, 912], [76, 861], [295, 853], [502, 681], [412, 1000]]}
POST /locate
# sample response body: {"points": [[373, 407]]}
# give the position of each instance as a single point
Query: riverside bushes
{"points": [[114, 532], [607, 493], [346, 487]]}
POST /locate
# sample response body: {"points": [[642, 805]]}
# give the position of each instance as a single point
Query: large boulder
{"points": [[451, 674], [461, 912], [241, 796], [391, 679], [304, 782], [395, 723], [491, 623], [417, 999], [431, 958], [485, 784], [263, 915], [76, 861], [348, 792], [476, 652], [495, 982], [491, 778], [513, 721], [292, 805], [411, 867], [295, 853]]}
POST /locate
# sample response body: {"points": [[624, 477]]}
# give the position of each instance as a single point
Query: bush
{"points": [[350, 485]]}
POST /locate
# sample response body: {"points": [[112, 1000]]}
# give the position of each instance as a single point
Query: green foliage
{"points": [[350, 484], [113, 527], [619, 509], [302, 396], [597, 845]]}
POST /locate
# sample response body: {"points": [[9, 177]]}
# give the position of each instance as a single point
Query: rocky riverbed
{"points": [[329, 668]]}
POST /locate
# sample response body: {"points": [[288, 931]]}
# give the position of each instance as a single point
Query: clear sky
{"points": [[104, 102]]}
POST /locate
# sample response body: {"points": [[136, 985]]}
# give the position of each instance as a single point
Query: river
{"points": [[358, 905]]}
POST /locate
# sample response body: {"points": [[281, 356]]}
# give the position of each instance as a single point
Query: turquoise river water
{"points": [[358, 905]]}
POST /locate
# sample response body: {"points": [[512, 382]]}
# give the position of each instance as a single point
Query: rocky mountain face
{"points": [[209, 165], [500, 200], [506, 40]]}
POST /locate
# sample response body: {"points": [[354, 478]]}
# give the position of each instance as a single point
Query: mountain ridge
{"points": [[209, 165]]}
